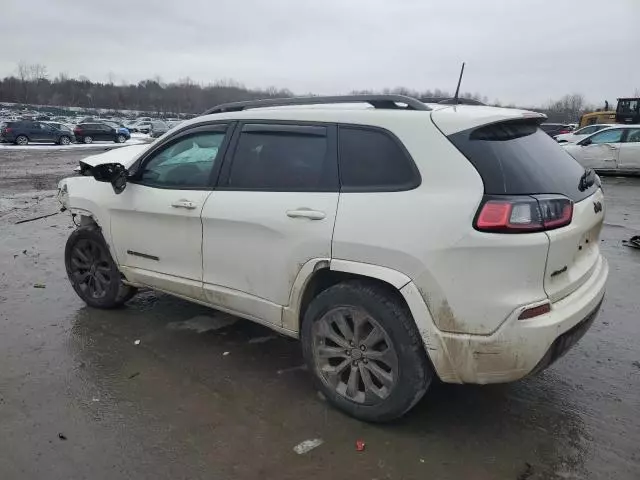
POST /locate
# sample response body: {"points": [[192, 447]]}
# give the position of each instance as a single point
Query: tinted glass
{"points": [[586, 130], [287, 159], [186, 163], [633, 136], [374, 160], [607, 136], [517, 158]]}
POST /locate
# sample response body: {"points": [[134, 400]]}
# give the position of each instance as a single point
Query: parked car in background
{"points": [[553, 129], [90, 132], [24, 131], [159, 128], [612, 150], [584, 132], [118, 126], [143, 126], [340, 227]]}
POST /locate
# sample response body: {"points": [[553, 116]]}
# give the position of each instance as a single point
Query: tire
{"points": [[120, 139], [88, 139], [393, 359], [64, 140], [92, 272], [22, 140]]}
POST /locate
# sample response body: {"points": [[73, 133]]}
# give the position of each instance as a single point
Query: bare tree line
{"points": [[32, 86]]}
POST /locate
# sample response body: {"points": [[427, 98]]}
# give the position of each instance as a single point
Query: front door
{"points": [[629, 158], [273, 211], [155, 223], [602, 150]]}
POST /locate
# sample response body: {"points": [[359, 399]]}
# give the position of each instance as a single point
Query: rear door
{"points": [[629, 157], [602, 149], [516, 159], [273, 211]]}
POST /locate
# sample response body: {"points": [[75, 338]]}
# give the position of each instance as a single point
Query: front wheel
{"points": [[121, 139], [92, 272], [64, 140], [361, 344], [88, 139]]}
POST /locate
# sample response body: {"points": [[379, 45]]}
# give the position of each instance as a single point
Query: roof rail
{"points": [[376, 101]]}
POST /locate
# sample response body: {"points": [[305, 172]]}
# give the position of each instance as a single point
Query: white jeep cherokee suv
{"points": [[399, 242]]}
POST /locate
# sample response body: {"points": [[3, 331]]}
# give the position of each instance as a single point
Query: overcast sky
{"points": [[520, 51]]}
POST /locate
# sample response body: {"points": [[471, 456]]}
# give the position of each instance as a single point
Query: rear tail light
{"points": [[523, 214], [7, 130], [565, 131]]}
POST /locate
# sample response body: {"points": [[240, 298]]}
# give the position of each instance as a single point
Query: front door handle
{"points": [[306, 213], [184, 204]]}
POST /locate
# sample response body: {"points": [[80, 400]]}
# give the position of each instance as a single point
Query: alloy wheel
{"points": [[91, 268], [354, 355]]}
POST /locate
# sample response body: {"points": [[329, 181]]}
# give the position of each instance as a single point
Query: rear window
{"points": [[518, 158]]}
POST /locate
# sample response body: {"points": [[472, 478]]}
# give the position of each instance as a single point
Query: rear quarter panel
{"points": [[471, 281]]}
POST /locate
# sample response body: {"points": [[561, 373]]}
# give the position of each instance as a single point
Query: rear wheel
{"points": [[22, 140], [121, 139], [88, 139], [64, 140], [92, 272], [365, 352]]}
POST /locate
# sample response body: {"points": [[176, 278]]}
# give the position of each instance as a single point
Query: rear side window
{"points": [[283, 158], [518, 158], [374, 160]]}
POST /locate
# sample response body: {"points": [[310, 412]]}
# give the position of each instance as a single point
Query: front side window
{"points": [[186, 163], [372, 160], [587, 130], [283, 158], [607, 136]]}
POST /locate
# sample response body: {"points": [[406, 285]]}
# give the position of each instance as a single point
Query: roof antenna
{"points": [[455, 97]]}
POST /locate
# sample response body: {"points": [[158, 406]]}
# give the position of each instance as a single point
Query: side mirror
{"points": [[113, 173], [585, 142]]}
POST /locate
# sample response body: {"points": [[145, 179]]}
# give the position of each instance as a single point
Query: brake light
{"points": [[8, 130], [523, 214]]}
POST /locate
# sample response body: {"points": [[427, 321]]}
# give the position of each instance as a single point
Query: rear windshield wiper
{"points": [[588, 179]]}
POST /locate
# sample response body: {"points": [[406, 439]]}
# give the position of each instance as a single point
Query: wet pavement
{"points": [[206, 395]]}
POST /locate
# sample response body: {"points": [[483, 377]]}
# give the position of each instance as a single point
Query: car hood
{"points": [[124, 155]]}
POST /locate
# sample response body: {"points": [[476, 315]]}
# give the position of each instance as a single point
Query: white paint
{"points": [[620, 156], [307, 445], [242, 253], [137, 342], [253, 247]]}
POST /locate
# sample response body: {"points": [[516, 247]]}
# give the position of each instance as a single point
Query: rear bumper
{"points": [[519, 347]]}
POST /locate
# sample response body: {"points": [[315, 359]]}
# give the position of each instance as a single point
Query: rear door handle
{"points": [[306, 213], [184, 204]]}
